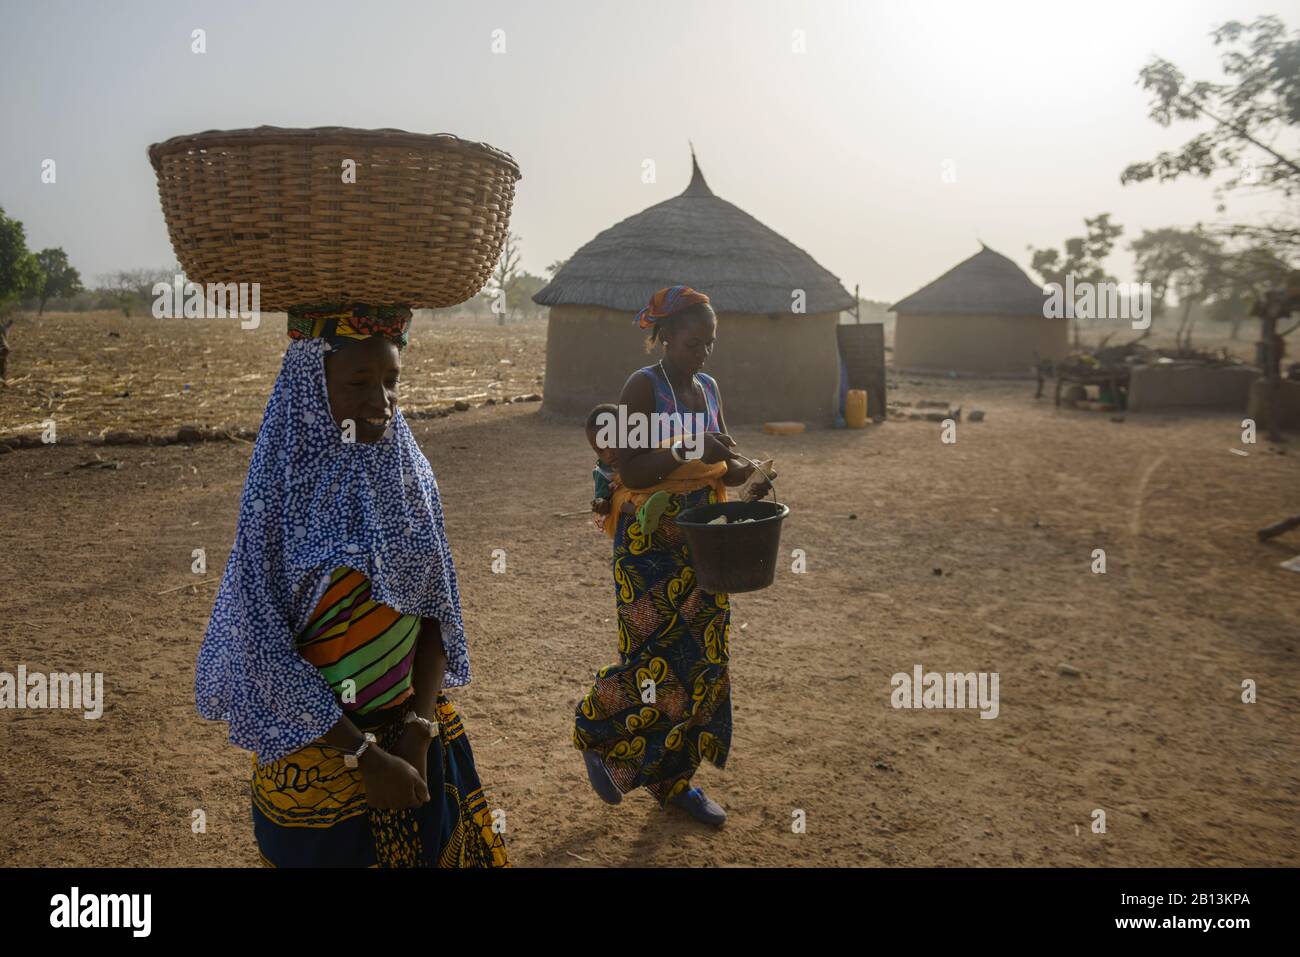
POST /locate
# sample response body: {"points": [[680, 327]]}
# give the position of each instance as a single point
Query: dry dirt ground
{"points": [[98, 372], [1119, 691]]}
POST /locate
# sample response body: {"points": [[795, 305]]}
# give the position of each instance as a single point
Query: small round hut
{"points": [[982, 317], [776, 356]]}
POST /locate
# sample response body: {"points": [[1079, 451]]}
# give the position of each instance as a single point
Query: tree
{"points": [[59, 278], [521, 293], [1258, 107], [19, 271], [1186, 262], [1246, 276], [1083, 257], [134, 287], [1275, 305], [555, 267], [121, 288], [504, 277]]}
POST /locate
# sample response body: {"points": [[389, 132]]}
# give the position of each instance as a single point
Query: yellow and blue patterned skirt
{"points": [[666, 705], [310, 810]]}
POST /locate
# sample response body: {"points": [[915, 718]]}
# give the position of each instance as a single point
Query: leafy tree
{"points": [[59, 277], [1245, 276], [128, 288], [1258, 108], [1083, 257], [121, 288], [1187, 263], [521, 293], [19, 271]]}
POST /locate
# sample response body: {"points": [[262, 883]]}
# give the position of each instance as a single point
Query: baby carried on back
{"points": [[612, 498]]}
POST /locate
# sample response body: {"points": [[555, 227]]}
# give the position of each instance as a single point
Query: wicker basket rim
{"points": [[327, 136]]}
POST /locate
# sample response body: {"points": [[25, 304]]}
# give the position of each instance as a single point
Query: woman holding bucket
{"points": [[650, 720], [338, 620]]}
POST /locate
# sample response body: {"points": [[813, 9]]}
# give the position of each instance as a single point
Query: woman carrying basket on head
{"points": [[649, 720], [338, 620]]}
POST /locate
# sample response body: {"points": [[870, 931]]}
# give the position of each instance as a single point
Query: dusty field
{"points": [[1151, 729], [98, 372]]}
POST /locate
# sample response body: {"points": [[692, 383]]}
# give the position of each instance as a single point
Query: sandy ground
{"points": [[1151, 729], [98, 372]]}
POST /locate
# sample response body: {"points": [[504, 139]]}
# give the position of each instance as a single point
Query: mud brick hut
{"points": [[982, 317], [771, 361]]}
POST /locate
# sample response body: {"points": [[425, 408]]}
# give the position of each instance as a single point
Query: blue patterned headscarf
{"points": [[311, 503]]}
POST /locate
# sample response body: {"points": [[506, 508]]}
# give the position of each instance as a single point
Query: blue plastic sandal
{"points": [[700, 807], [600, 780]]}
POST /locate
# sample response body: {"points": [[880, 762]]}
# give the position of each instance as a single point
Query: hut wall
{"points": [[975, 344], [784, 368]]}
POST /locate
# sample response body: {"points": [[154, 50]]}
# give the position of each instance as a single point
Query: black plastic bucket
{"points": [[734, 558]]}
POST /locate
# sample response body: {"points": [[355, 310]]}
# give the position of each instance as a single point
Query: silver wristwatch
{"points": [[352, 759], [429, 727]]}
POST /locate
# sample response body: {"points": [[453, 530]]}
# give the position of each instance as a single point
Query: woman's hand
{"points": [[757, 490], [413, 748], [717, 448], [738, 471], [391, 783]]}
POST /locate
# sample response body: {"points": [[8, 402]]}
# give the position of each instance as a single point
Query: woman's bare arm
{"points": [[428, 669], [344, 735], [643, 467], [737, 473]]}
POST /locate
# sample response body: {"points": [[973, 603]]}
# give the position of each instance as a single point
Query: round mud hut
{"points": [[983, 317], [772, 360]]}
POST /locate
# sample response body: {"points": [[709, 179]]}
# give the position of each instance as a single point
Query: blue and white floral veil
{"points": [[311, 503]]}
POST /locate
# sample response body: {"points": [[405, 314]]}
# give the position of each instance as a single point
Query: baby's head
{"points": [[595, 421]]}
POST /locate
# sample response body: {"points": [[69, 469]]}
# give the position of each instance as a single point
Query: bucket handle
{"points": [[762, 471]]}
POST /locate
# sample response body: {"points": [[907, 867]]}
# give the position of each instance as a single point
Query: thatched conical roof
{"points": [[986, 284], [703, 241]]}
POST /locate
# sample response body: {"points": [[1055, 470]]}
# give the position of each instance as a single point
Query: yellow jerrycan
{"points": [[855, 408]]}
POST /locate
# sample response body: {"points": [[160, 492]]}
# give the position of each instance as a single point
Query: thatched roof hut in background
{"points": [[982, 317], [771, 362]]}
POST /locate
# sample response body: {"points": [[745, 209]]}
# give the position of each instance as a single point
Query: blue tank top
{"points": [[664, 401]]}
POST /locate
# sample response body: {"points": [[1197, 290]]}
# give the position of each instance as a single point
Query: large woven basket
{"points": [[421, 226]]}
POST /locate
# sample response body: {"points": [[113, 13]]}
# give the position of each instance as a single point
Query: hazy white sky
{"points": [[841, 148]]}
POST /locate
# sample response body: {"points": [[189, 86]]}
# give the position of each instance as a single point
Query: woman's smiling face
{"points": [[361, 382]]}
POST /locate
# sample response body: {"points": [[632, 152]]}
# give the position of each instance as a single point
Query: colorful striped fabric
{"points": [[342, 324], [668, 302], [310, 809], [352, 637]]}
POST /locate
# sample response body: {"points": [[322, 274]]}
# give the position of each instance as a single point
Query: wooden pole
{"points": [[1277, 528]]}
